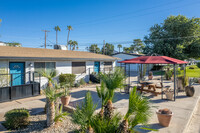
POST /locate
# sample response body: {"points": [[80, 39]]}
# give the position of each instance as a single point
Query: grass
{"points": [[189, 72]]}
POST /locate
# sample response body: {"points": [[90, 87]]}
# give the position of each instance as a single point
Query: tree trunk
{"points": [[68, 40], [108, 110], [123, 127], [90, 130], [57, 106], [101, 112], [50, 113], [56, 38]]}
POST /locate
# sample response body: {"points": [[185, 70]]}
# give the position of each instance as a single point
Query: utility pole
{"points": [[104, 46], [45, 40]]}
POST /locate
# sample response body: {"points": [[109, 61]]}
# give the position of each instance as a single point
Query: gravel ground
{"points": [[38, 125]]}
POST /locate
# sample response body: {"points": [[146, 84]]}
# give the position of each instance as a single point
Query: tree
{"points": [[108, 49], [94, 48], [69, 28], [119, 46], [57, 28], [138, 112], [73, 45], [14, 44], [136, 47], [175, 37], [112, 81]]}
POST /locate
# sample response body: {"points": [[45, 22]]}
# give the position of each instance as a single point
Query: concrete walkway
{"points": [[194, 125], [34, 104], [182, 108]]}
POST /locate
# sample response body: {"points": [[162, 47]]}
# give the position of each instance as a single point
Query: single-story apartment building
{"points": [[125, 56], [25, 60]]}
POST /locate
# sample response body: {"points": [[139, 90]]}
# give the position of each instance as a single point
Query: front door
{"points": [[17, 71], [96, 67]]}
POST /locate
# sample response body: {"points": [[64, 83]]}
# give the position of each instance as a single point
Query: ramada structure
{"points": [[158, 60]]}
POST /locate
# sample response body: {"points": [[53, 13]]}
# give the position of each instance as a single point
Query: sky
{"points": [[115, 21]]}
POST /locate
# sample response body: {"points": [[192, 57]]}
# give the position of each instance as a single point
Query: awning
{"points": [[153, 60]]}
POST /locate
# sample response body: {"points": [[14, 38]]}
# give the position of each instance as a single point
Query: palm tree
{"points": [[112, 81], [69, 28], [119, 46], [51, 97], [84, 114], [75, 45], [138, 112], [57, 28]]}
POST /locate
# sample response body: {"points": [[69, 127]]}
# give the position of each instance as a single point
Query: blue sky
{"points": [[115, 21]]}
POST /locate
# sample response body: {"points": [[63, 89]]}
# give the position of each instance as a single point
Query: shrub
{"points": [[67, 79], [198, 64], [16, 118], [191, 67], [168, 74], [77, 84], [82, 82]]}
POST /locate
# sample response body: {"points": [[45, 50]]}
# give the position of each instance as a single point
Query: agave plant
{"points": [[85, 113], [112, 81], [138, 112]]}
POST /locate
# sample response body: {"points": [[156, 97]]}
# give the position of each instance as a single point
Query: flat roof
{"points": [[7, 52]]}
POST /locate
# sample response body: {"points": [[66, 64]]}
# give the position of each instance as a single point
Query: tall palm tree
{"points": [[69, 28], [112, 81], [138, 112], [119, 46], [57, 28]]}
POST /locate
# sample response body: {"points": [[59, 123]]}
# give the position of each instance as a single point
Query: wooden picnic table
{"points": [[151, 87]]}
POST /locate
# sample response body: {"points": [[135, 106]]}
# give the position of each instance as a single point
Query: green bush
{"points": [[82, 82], [77, 85], [198, 64], [168, 74], [16, 118], [67, 79], [191, 67]]}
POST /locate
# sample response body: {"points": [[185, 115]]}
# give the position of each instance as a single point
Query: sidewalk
{"points": [[34, 104]]}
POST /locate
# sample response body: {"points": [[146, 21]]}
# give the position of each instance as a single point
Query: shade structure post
{"points": [[174, 82], [129, 74], [161, 83]]}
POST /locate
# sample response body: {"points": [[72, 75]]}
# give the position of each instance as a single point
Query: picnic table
{"points": [[151, 87]]}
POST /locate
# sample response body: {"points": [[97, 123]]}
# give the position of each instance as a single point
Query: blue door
{"points": [[17, 71], [96, 67]]}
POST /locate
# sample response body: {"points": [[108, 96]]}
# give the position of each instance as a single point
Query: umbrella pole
{"points": [[174, 82], [130, 74]]}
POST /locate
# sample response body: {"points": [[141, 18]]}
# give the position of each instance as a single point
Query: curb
{"points": [[194, 110]]}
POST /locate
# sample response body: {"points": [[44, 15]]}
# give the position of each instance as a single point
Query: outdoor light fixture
{"points": [[30, 64]]}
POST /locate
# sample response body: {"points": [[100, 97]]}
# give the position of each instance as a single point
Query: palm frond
{"points": [[139, 109], [61, 115], [84, 113]]}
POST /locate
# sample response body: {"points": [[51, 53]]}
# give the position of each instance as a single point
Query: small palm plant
{"points": [[112, 81], [84, 114], [138, 112], [103, 94]]}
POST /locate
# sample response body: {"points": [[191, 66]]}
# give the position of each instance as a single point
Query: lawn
{"points": [[189, 72]]}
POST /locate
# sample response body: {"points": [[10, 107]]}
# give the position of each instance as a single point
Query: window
{"points": [[44, 66], [108, 66], [78, 67]]}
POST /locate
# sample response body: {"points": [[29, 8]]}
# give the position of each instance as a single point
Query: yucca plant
{"points": [[103, 95], [85, 113], [138, 112], [61, 115], [112, 81], [101, 125]]}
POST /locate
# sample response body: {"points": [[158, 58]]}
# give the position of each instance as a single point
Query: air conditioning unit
{"points": [[61, 47]]}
